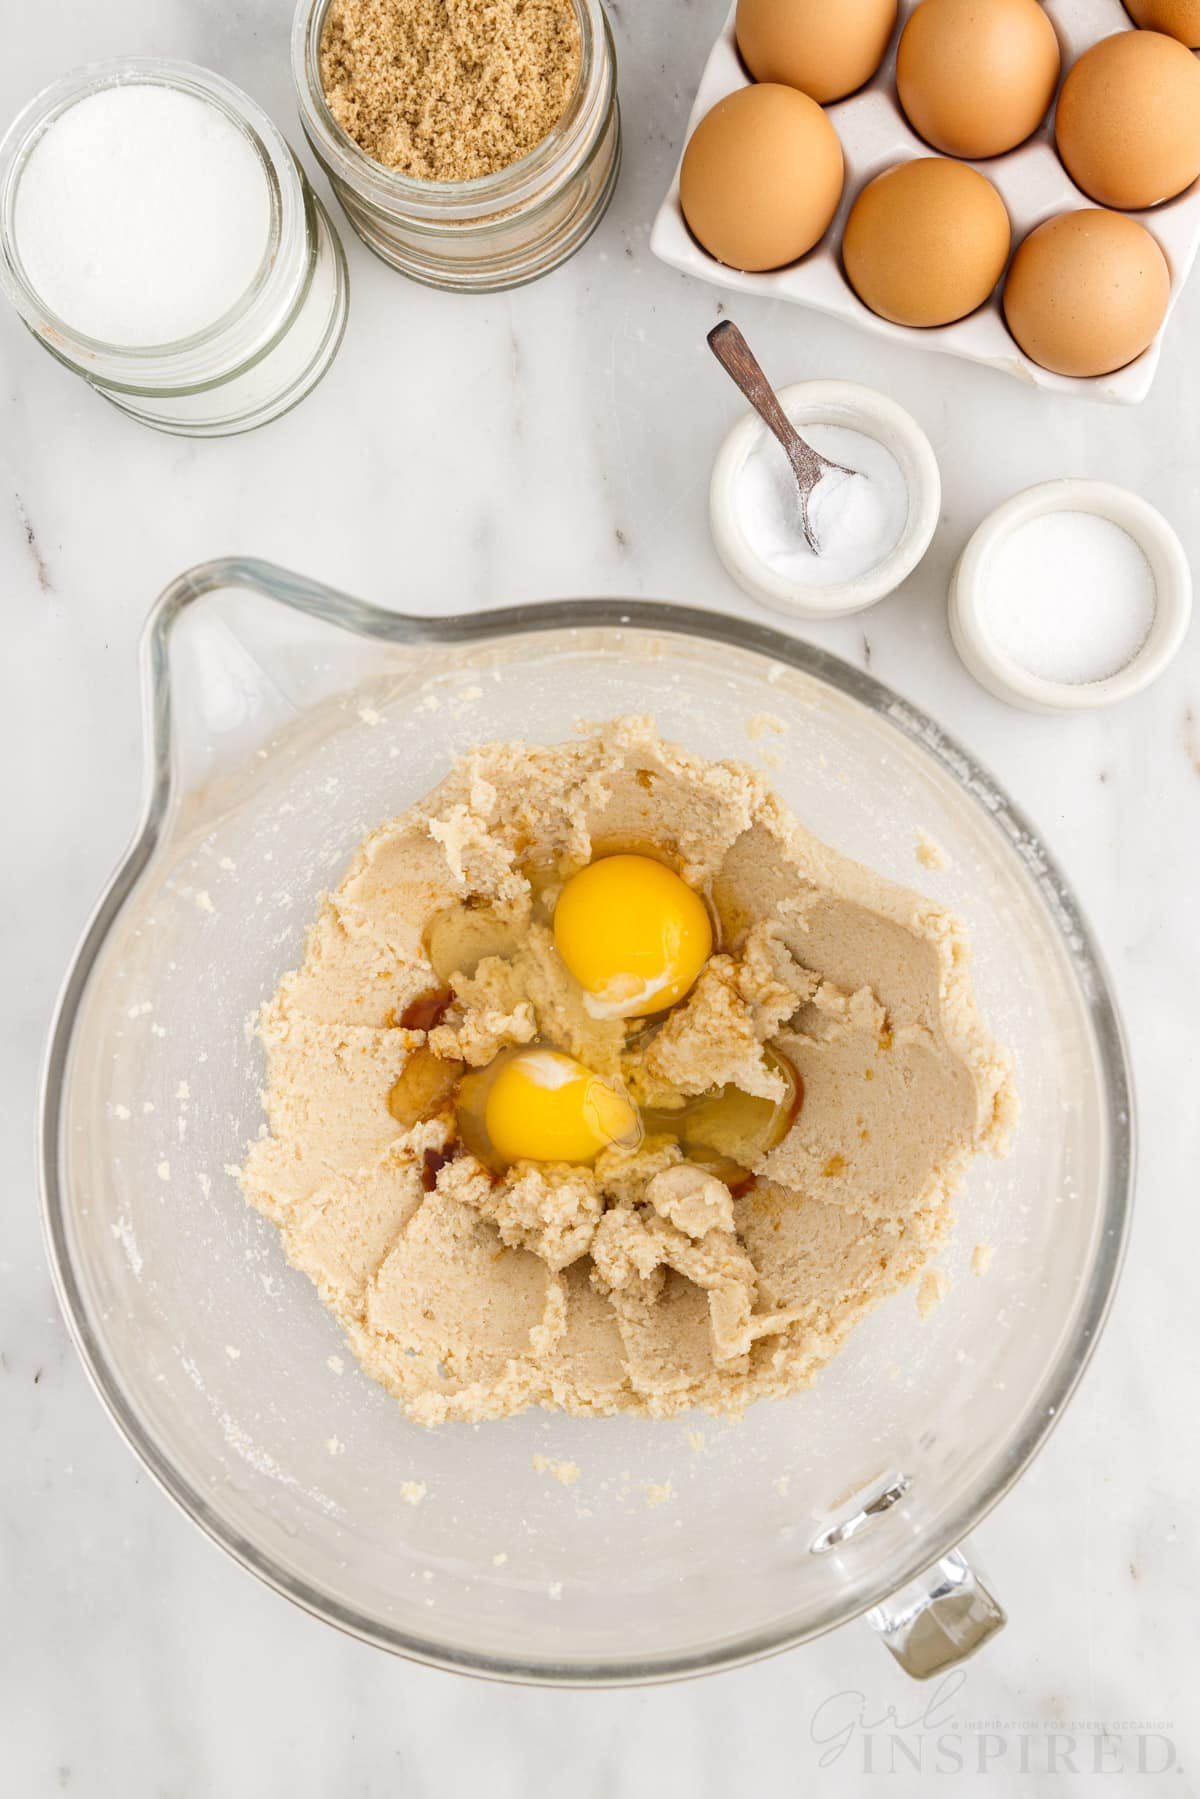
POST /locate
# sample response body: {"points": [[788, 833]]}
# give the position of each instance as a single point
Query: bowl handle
{"points": [[939, 1619]]}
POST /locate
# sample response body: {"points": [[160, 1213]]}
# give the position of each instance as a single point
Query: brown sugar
{"points": [[449, 90]]}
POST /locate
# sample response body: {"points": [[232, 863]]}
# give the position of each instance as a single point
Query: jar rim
{"points": [[505, 188], [231, 341]]}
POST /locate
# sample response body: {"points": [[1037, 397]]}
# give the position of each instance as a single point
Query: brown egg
{"points": [[1128, 122], [761, 177], [976, 77], [1178, 18], [1086, 292], [826, 48], [926, 242]]}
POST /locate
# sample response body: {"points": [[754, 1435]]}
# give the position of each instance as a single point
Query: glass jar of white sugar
{"points": [[159, 238]]}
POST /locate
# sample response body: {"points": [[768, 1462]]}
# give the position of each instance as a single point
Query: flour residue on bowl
{"points": [[241, 1441]]}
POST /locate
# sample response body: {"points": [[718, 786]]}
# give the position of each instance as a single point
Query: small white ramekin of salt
{"points": [[873, 526], [1071, 595]]}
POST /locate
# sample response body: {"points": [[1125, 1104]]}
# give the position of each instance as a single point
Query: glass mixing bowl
{"points": [[285, 719]]}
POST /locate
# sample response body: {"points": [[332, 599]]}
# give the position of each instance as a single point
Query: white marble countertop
{"points": [[465, 452]]}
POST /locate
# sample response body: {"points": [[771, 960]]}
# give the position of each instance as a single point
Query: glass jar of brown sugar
{"points": [[489, 231]]}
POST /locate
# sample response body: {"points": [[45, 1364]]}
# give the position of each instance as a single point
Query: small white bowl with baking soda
{"points": [[1071, 595], [873, 525]]}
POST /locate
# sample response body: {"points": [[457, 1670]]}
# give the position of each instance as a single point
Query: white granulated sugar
{"points": [[1069, 597], [858, 519], [142, 216]]}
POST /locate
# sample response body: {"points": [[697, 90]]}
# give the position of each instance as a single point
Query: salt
{"points": [[858, 519], [1069, 596], [143, 214]]}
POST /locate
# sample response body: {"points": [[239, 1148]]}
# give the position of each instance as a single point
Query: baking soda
{"points": [[1069, 597], [858, 519], [142, 215]]}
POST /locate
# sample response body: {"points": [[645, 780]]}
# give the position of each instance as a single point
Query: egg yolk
{"points": [[633, 934], [543, 1106]]}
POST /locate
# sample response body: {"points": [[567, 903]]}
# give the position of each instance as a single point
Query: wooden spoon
{"points": [[808, 465]]}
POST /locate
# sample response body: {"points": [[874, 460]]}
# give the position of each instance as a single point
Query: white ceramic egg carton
{"points": [[874, 135]]}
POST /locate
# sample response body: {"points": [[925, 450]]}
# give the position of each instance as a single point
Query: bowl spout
{"points": [[236, 650]]}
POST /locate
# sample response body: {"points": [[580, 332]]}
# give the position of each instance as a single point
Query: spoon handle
{"points": [[742, 366]]}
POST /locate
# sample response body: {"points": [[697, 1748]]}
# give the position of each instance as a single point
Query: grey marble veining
{"points": [[465, 452]]}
